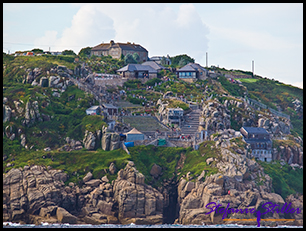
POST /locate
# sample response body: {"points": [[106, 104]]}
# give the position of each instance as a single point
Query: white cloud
{"points": [[254, 39], [88, 28], [157, 27], [47, 40]]}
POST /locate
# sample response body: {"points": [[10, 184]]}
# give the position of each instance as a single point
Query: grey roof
{"points": [[109, 106], [154, 65], [256, 130], [93, 107], [137, 67], [192, 67]]}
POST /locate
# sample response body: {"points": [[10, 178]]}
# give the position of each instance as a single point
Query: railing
{"points": [[277, 113], [106, 76]]}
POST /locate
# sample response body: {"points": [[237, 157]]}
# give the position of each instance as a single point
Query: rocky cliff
{"points": [[241, 182], [38, 194]]}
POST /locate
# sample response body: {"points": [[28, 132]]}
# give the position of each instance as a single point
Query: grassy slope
{"points": [[144, 123], [271, 92], [285, 180], [78, 163]]}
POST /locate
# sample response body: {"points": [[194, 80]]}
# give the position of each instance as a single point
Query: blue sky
{"points": [[233, 34]]}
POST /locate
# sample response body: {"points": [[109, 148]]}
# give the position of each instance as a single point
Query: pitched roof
{"points": [[256, 130], [192, 67], [154, 65], [93, 107], [137, 67], [134, 131], [110, 106]]}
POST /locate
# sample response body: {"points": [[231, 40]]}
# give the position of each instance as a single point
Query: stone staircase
{"points": [[190, 127]]}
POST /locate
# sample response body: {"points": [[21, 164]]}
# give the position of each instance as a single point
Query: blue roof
{"points": [[255, 130]]}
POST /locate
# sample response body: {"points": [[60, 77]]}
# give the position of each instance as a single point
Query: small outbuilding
{"points": [[133, 135], [111, 109], [94, 110]]}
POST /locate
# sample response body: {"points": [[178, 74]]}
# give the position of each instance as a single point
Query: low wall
{"points": [[110, 81]]}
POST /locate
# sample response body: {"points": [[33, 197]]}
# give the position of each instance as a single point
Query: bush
{"points": [[152, 82]]}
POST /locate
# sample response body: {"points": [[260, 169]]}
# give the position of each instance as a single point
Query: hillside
{"points": [[45, 124]]}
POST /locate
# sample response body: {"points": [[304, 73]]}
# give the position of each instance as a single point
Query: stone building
{"points": [[259, 141], [175, 116], [137, 71], [117, 49], [191, 72]]}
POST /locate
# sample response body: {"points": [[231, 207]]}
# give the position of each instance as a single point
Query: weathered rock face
{"points": [[32, 113], [216, 117], [290, 154], [71, 145], [155, 171], [89, 140], [274, 126], [237, 185], [36, 194], [137, 202], [27, 190], [297, 202], [81, 71], [7, 111], [110, 140]]}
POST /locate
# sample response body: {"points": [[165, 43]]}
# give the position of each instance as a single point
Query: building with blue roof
{"points": [[260, 142]]}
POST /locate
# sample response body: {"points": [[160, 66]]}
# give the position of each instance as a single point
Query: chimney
{"points": [[111, 42]]}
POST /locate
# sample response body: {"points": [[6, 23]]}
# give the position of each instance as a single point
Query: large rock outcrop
{"points": [[137, 202], [32, 113], [109, 140], [216, 117], [292, 154], [241, 183], [89, 140], [37, 194]]}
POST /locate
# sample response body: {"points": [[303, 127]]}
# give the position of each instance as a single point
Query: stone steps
{"points": [[191, 126]]}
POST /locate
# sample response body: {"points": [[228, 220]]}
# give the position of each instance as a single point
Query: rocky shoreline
{"points": [[38, 194]]}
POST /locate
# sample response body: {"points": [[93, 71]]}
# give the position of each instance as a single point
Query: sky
{"points": [[232, 34]]}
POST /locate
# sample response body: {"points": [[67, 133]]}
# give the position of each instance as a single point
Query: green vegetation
{"points": [[233, 89], [85, 52], [68, 118], [75, 163], [178, 103], [272, 93], [142, 123], [248, 80], [68, 52], [181, 60], [104, 64], [285, 180], [195, 161]]}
